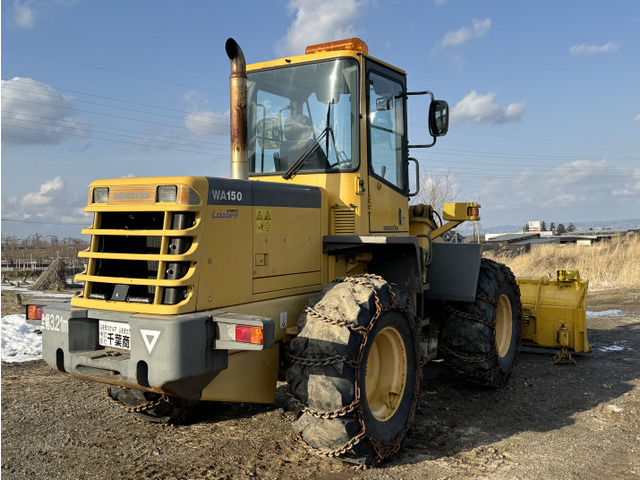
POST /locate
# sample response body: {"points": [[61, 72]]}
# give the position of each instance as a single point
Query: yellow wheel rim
{"points": [[386, 373], [504, 326]]}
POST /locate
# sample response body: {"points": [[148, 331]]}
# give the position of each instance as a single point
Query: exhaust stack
{"points": [[238, 112]]}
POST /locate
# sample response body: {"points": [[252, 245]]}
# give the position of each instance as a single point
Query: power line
{"points": [[477, 153], [80, 126], [484, 166], [120, 72], [114, 116], [538, 139], [103, 105], [41, 223], [442, 151], [119, 141], [23, 80]]}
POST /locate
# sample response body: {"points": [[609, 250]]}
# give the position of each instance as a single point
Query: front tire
{"points": [[356, 370], [480, 340]]}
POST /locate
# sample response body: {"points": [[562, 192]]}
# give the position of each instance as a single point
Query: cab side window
{"points": [[386, 129]]}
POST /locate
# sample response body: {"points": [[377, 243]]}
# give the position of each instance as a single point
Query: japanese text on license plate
{"points": [[114, 334]]}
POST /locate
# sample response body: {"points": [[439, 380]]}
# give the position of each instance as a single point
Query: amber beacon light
{"points": [[354, 44]]}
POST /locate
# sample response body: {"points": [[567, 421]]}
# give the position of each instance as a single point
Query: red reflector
{"points": [[473, 211], [247, 334], [34, 312]]}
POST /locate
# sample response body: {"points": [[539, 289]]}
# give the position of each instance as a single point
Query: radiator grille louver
{"points": [[343, 220], [140, 257]]}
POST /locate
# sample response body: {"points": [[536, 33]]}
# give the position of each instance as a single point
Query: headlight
{"points": [[100, 195], [167, 193], [180, 194]]}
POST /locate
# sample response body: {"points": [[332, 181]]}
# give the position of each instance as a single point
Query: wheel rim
{"points": [[504, 326], [386, 373]]}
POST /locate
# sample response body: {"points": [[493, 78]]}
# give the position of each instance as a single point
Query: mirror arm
{"points": [[423, 146], [425, 92]]}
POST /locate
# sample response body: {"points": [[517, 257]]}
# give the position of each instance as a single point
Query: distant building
{"points": [[535, 226], [522, 242]]}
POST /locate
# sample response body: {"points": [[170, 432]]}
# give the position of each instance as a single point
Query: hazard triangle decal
{"points": [[150, 338]]}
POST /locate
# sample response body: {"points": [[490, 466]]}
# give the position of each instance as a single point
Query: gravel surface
{"points": [[564, 422]]}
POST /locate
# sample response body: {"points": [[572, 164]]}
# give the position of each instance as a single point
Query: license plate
{"points": [[114, 334]]}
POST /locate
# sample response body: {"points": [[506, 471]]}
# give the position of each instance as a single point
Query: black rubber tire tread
{"points": [[331, 387], [171, 411], [468, 336]]}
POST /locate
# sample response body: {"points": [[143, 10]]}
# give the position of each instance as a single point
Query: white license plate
{"points": [[114, 334]]}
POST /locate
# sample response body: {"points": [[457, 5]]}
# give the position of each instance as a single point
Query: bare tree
{"points": [[436, 189]]}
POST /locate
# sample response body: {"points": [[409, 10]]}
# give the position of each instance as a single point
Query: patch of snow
{"points": [[605, 313], [616, 347], [36, 293], [19, 342]]}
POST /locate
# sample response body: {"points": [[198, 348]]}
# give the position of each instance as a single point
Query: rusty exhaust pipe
{"points": [[238, 112]]}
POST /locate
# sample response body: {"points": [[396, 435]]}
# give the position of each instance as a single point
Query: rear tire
{"points": [[356, 370], [149, 406], [480, 340]]}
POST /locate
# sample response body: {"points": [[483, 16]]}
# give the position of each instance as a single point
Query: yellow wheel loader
{"points": [[309, 261]]}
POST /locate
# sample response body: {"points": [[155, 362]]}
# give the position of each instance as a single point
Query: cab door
{"points": [[387, 150]]}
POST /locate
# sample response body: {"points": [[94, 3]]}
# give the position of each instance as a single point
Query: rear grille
{"points": [[343, 220], [131, 258]]}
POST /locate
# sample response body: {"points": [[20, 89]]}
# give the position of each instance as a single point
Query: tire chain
{"points": [[468, 316], [477, 359], [382, 451], [469, 358], [139, 408], [323, 362]]}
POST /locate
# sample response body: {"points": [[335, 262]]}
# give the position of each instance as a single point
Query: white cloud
{"points": [[478, 29], [47, 192], [637, 118], [585, 50], [483, 109], [584, 184], [578, 172], [34, 113], [207, 123], [24, 15], [318, 22], [631, 186], [25, 12], [53, 202], [440, 3]]}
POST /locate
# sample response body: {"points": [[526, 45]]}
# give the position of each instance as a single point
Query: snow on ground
{"points": [[605, 313], [35, 293], [616, 347], [19, 342]]}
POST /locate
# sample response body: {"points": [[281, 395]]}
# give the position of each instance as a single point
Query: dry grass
{"points": [[607, 264]]}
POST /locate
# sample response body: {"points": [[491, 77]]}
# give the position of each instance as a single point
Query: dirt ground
{"points": [[552, 422]]}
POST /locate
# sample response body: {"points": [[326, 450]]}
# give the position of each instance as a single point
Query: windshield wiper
{"points": [[312, 148]]}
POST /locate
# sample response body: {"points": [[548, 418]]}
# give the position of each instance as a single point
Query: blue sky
{"points": [[544, 96]]}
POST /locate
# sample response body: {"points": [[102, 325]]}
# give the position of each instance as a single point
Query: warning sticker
{"points": [[263, 221]]}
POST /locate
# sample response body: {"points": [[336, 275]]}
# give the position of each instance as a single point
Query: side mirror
{"points": [[269, 133], [438, 118], [384, 103]]}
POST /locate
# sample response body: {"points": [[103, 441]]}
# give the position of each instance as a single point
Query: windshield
{"points": [[305, 114]]}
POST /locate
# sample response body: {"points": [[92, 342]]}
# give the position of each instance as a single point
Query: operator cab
{"points": [[337, 110], [308, 114]]}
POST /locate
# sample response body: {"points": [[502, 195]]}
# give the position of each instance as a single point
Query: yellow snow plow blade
{"points": [[554, 314]]}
